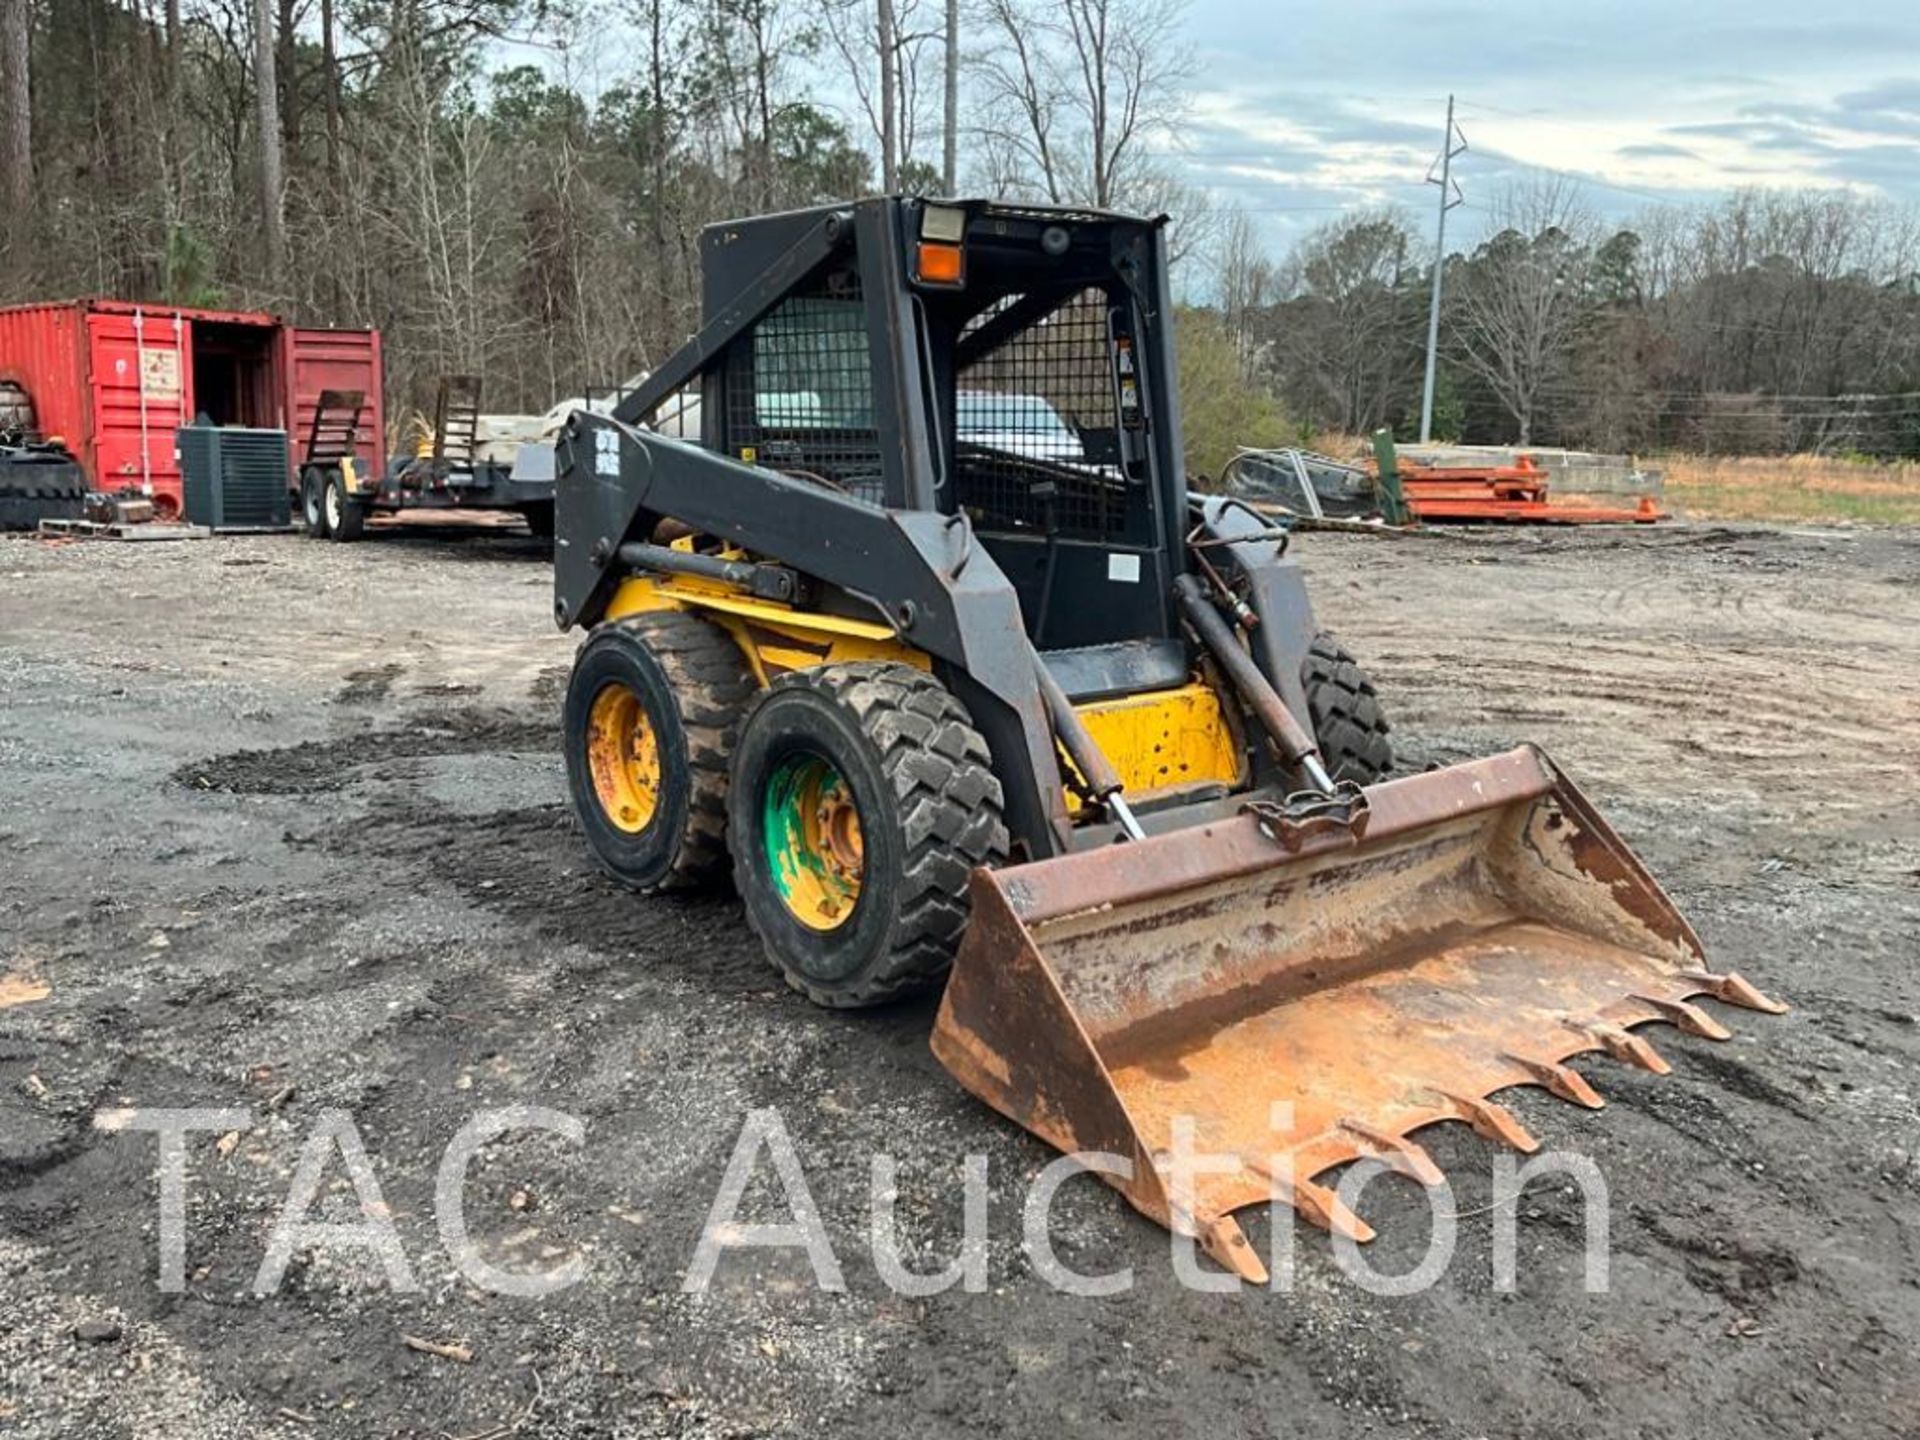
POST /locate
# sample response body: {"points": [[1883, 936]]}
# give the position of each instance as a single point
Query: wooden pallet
{"points": [[149, 530]]}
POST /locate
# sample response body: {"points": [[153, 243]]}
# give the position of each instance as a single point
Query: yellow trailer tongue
{"points": [[1292, 999]]}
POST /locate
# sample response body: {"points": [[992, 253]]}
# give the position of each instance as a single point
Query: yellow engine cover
{"points": [[1166, 738], [1157, 741]]}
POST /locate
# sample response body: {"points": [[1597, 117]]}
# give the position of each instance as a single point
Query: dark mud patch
{"points": [[1744, 1080], [549, 686], [316, 767], [1748, 1274], [370, 686], [531, 865]]}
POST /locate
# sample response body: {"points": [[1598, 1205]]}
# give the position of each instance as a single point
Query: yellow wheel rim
{"points": [[623, 756], [815, 849]]}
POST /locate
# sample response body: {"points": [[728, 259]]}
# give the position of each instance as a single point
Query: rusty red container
{"points": [[114, 379]]}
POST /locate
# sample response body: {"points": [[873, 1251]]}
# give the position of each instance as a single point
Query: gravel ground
{"points": [[285, 830]]}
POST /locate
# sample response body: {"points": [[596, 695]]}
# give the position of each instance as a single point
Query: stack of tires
{"points": [[39, 482]]}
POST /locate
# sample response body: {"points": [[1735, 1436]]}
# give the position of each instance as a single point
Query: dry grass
{"points": [[1794, 487]]}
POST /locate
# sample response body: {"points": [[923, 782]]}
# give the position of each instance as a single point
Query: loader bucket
{"points": [[1485, 927]]}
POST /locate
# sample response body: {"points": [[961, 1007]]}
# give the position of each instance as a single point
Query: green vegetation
{"points": [[1221, 409]]}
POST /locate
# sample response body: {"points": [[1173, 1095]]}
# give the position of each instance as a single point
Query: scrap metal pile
{"points": [[1315, 488], [1516, 492]]}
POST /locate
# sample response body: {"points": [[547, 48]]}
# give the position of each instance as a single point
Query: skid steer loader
{"points": [[929, 643]]}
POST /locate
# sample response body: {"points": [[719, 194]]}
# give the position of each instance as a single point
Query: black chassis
{"points": [[413, 482], [922, 572]]}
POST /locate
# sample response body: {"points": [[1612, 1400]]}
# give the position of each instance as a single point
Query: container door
{"points": [[142, 392], [335, 360]]}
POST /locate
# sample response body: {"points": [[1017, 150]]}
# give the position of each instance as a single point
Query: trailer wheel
{"points": [[345, 518], [539, 518], [1348, 720], [313, 505], [862, 799], [651, 715]]}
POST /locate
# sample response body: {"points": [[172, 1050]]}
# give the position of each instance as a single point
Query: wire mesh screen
{"points": [[679, 414], [800, 390], [1025, 410]]}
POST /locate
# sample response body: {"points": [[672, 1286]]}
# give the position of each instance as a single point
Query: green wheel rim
{"points": [[814, 844]]}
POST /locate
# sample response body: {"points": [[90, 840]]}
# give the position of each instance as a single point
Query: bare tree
{"points": [[887, 49], [1075, 91], [1523, 296], [1022, 106], [273, 176], [950, 110], [16, 117], [1246, 280], [1345, 336]]}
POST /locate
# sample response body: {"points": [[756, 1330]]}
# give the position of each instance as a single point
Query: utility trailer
{"points": [[461, 466]]}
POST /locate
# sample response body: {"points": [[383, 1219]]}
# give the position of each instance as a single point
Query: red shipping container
{"points": [[114, 379]]}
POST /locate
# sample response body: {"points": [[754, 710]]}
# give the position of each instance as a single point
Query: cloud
{"points": [[1304, 108], [1656, 150]]}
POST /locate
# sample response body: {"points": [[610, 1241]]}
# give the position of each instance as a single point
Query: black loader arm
{"points": [[1244, 541], [943, 592]]}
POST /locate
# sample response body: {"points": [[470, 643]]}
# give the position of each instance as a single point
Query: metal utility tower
{"points": [[1454, 144]]}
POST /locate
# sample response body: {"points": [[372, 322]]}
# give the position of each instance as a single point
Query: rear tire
{"points": [[692, 684], [345, 517], [313, 505], [1348, 720], [904, 757], [539, 518]]}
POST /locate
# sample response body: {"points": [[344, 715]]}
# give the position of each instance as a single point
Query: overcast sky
{"points": [[1305, 109]]}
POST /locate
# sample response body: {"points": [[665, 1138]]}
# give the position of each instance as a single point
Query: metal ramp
{"points": [[456, 428], [335, 433]]}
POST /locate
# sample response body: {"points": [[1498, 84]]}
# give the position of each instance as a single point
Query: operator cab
{"points": [[1004, 362]]}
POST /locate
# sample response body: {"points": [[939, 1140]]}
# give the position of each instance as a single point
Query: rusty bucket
{"points": [[1296, 1009]]}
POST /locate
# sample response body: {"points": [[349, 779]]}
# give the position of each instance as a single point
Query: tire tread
{"points": [[949, 806], [711, 685], [1348, 719]]}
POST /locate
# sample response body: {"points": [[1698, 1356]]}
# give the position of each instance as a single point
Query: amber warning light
{"points": [[939, 261], [940, 264]]}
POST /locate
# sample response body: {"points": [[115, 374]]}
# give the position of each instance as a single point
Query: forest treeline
{"points": [[377, 162]]}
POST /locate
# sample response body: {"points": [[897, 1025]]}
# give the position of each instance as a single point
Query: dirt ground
{"points": [[284, 828]]}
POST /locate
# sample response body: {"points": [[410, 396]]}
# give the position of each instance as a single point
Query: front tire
{"points": [[651, 715], [862, 799], [1348, 721]]}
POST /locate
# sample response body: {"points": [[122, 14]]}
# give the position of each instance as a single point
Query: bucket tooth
{"points": [[1623, 1045], [1396, 1152], [1316, 1203], [1493, 1121], [1559, 1080], [1734, 988], [1687, 1017], [1227, 1243], [1327, 1210]]}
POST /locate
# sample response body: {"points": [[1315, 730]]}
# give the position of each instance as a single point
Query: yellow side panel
{"points": [[775, 637], [1165, 738]]}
